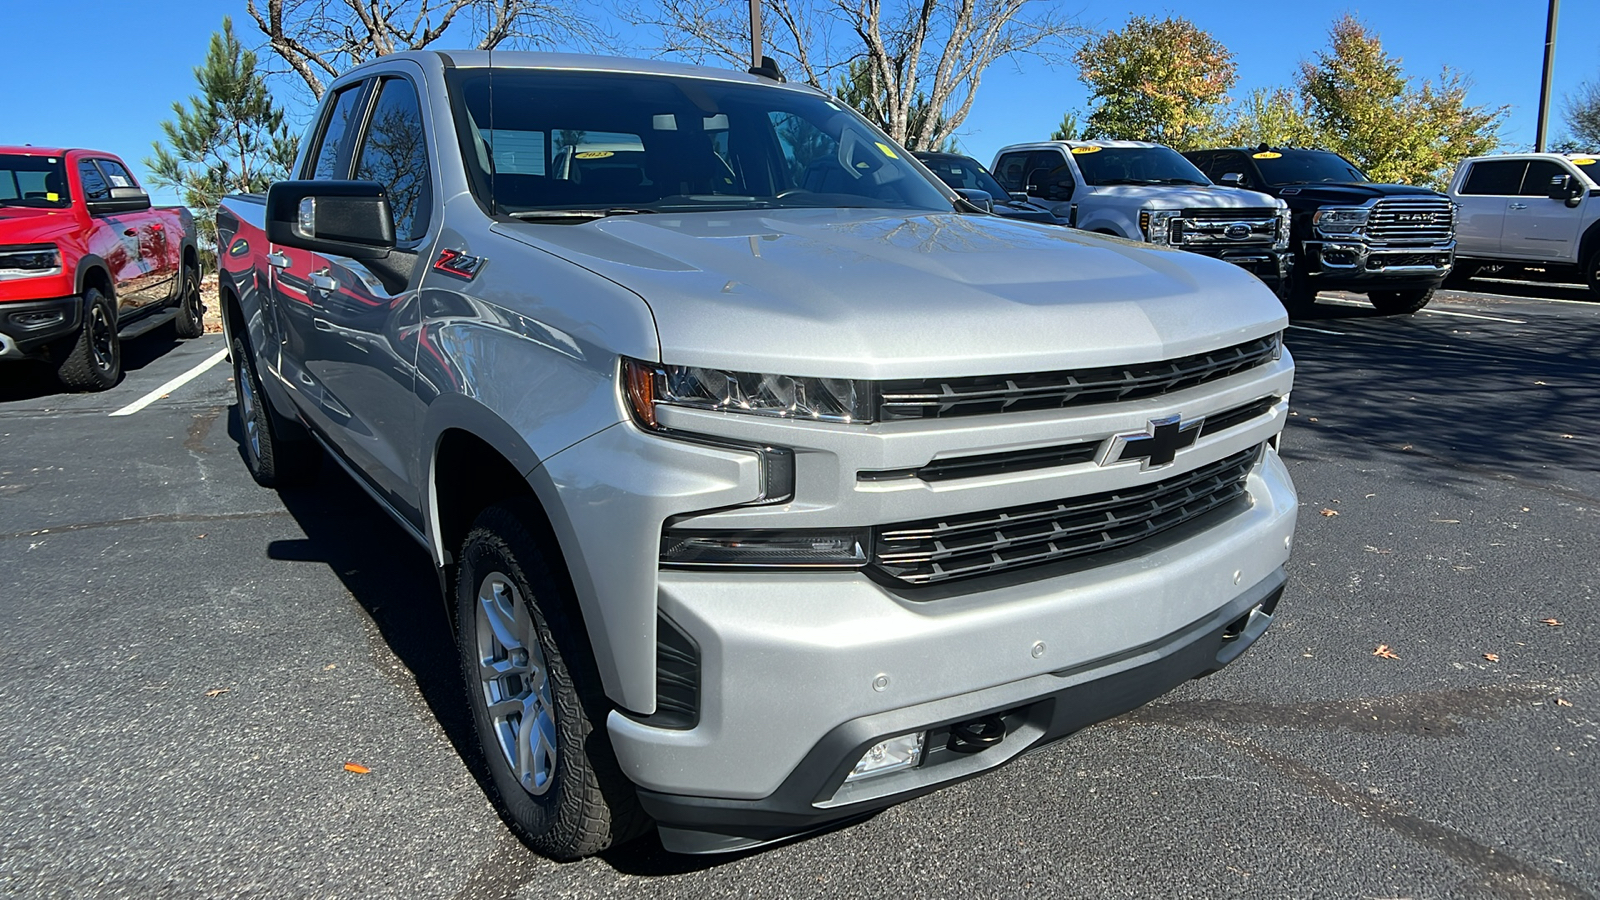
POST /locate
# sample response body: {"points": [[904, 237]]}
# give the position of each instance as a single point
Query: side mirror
{"points": [[1562, 187], [981, 199], [1020, 196], [343, 218], [122, 199], [1232, 179]]}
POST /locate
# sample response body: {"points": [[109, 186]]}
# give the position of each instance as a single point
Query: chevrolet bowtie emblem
{"points": [[1156, 446]]}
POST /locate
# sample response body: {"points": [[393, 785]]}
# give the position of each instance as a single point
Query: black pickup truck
{"points": [[1393, 242]]}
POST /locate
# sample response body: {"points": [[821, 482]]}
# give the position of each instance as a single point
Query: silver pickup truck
{"points": [[769, 482]]}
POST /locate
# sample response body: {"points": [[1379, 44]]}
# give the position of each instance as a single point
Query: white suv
{"points": [[1538, 209], [1149, 192]]}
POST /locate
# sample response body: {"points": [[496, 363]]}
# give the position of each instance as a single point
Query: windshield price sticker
{"points": [[1267, 154], [1082, 150], [886, 151], [1583, 161], [595, 154]]}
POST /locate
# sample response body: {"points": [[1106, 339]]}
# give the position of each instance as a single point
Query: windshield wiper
{"points": [[538, 214]]}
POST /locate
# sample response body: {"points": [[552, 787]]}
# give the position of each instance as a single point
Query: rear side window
{"points": [[1538, 180], [1499, 177], [94, 186], [394, 153], [329, 163]]}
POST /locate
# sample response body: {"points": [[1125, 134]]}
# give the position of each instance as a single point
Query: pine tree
{"points": [[230, 139]]}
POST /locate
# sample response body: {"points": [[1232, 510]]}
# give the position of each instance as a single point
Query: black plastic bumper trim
{"points": [[28, 339]]}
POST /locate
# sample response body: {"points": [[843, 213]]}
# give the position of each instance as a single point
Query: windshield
{"points": [[36, 181], [1135, 165], [1306, 166], [964, 172], [595, 143]]}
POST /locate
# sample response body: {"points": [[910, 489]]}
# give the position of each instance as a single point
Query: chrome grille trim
{"points": [[965, 546], [1384, 223], [944, 398]]}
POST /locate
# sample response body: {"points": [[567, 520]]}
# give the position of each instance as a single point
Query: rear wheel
{"points": [[273, 457], [93, 361], [537, 706], [1400, 303], [190, 322]]}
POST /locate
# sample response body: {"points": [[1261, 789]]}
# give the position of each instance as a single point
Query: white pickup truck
{"points": [[1149, 192], [1529, 210]]}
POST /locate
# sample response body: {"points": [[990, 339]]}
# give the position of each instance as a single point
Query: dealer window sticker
{"points": [[1082, 150], [1266, 154]]}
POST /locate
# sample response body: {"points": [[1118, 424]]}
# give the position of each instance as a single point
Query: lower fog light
{"points": [[903, 752]]}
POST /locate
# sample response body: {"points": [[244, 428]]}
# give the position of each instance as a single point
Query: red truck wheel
{"points": [[93, 362]]}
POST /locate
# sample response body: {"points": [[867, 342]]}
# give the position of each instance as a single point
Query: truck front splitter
{"points": [[1034, 712], [26, 326]]}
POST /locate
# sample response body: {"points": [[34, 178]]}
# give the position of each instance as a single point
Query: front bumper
{"points": [[801, 672], [28, 326], [1269, 264], [1036, 712], [1359, 266]]}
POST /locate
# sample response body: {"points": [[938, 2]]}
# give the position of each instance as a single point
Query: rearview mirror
{"points": [[1232, 179], [122, 199], [343, 218]]}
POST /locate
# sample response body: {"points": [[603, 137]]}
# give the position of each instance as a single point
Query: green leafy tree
{"points": [[1272, 116], [1155, 80], [1582, 109], [1363, 105], [1068, 130], [861, 89], [231, 138]]}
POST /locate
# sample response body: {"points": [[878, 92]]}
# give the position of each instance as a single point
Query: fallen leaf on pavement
{"points": [[1384, 651], [330, 667], [1330, 512], [357, 768], [1372, 549], [1553, 623], [1563, 702], [1405, 447], [1538, 382], [1313, 419], [218, 692], [1446, 521], [1492, 657]]}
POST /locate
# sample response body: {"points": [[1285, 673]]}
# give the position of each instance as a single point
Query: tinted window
{"points": [[94, 186], [1308, 167], [327, 164], [961, 172], [33, 181], [598, 141], [1135, 165], [1497, 177], [1230, 164], [1011, 170], [1541, 172], [116, 174], [394, 154]]}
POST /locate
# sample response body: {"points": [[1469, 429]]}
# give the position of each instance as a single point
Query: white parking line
{"points": [[1451, 312], [1317, 330], [172, 385], [1589, 303]]}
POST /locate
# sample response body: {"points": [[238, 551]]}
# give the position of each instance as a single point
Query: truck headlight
{"points": [[1157, 225], [1283, 230], [1340, 219], [30, 262], [778, 396]]}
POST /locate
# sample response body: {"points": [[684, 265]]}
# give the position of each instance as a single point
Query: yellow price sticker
{"points": [[52, 197], [1082, 150], [595, 154], [1266, 154], [886, 150], [1583, 161]]}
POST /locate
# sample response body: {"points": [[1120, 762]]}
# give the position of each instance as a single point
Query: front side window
{"points": [[329, 160], [94, 185], [961, 172], [1501, 177], [1103, 166], [1307, 167], [1541, 176], [36, 181], [593, 141], [394, 153]]}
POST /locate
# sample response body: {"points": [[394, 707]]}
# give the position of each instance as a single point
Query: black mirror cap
{"points": [[980, 198], [353, 218], [122, 199]]}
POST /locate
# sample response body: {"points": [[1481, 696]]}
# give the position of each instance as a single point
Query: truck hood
{"points": [[1353, 194], [30, 225], [850, 293], [1181, 196]]}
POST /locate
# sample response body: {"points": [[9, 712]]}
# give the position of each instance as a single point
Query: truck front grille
{"points": [[944, 398], [1420, 219], [1223, 228], [964, 546]]}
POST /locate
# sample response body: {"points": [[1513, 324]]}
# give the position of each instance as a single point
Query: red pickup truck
{"points": [[86, 261]]}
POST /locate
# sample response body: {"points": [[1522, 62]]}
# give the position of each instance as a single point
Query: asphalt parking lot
{"points": [[191, 660]]}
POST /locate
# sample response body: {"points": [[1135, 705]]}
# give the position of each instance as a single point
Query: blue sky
{"points": [[114, 100]]}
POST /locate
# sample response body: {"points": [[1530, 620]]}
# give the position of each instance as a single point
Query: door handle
{"points": [[1518, 206], [131, 232], [278, 260], [322, 281]]}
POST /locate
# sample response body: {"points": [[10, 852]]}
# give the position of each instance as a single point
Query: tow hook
{"points": [[977, 735]]}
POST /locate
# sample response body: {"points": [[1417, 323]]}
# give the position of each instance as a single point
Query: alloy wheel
{"points": [[516, 683]]}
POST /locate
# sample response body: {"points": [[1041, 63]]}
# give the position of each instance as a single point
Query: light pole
{"points": [[755, 34], [1544, 87]]}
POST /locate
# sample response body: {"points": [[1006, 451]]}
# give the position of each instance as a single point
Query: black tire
{"points": [[1591, 271], [274, 453], [93, 360], [580, 803], [1299, 297], [191, 320], [1400, 303]]}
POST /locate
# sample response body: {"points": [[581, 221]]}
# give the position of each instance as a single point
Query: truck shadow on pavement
{"points": [[32, 379], [393, 580]]}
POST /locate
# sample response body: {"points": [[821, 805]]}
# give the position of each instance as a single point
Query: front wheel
{"points": [[537, 707], [1400, 303], [1592, 270], [93, 361]]}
